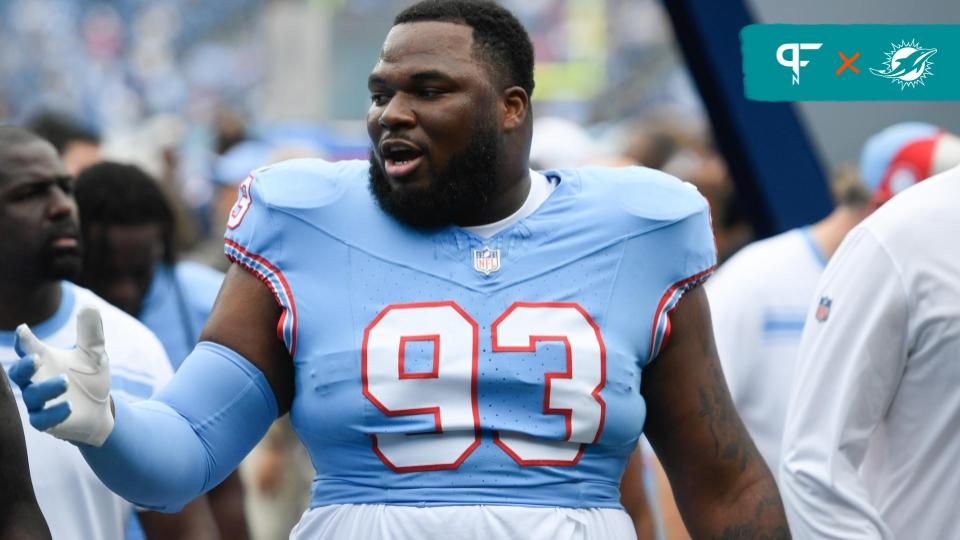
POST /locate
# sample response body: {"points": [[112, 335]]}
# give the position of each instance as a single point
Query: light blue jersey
{"points": [[440, 368], [177, 305]]}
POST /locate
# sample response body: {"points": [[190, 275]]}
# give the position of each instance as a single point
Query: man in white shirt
{"points": [[74, 501], [870, 445], [39, 249], [760, 297]]}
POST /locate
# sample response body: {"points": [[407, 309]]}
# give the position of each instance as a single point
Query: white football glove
{"points": [[84, 372]]}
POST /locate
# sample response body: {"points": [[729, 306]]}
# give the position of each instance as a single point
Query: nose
{"points": [[397, 113]]}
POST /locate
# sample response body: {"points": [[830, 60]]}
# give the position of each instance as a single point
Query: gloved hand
{"points": [[67, 391]]}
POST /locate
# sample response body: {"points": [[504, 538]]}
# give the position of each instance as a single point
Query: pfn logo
{"points": [[794, 62]]}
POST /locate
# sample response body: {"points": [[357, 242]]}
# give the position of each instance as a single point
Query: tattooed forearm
{"points": [[722, 485], [749, 532], [768, 511], [732, 443]]}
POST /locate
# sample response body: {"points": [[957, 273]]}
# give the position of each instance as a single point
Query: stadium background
{"points": [[158, 72]]}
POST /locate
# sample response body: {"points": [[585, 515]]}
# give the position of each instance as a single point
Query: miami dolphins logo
{"points": [[907, 64]]}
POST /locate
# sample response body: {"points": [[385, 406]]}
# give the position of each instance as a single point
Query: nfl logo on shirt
{"points": [[486, 260], [823, 309]]}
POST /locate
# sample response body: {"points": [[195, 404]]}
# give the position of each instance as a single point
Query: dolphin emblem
{"points": [[907, 64]]}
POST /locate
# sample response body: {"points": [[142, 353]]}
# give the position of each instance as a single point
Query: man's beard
{"points": [[61, 264], [460, 192]]}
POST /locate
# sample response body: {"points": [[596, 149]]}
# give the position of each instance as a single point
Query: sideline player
{"points": [[129, 260], [760, 297], [40, 248], [20, 517], [870, 445], [461, 345]]}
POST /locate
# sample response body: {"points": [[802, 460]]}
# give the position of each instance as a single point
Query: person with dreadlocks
{"points": [[131, 261], [129, 228]]}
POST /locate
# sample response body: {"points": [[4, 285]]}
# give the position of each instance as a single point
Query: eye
{"points": [[28, 192], [379, 99], [67, 185], [432, 92]]}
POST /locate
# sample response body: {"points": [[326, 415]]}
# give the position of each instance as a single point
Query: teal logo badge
{"points": [[851, 62], [907, 64]]}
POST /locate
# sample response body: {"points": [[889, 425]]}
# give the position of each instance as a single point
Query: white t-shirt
{"points": [[540, 189], [76, 505], [872, 438], [759, 300]]}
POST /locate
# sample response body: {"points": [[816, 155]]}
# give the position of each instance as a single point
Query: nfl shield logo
{"points": [[486, 260], [823, 309]]}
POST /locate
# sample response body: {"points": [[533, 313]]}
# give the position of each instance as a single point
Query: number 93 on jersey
{"points": [[445, 386]]}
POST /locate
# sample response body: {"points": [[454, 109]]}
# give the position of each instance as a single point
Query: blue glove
{"points": [[36, 395]]}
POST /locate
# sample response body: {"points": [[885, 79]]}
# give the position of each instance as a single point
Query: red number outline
{"points": [[434, 371]]}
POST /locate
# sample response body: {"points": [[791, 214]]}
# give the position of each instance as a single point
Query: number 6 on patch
{"points": [[449, 390]]}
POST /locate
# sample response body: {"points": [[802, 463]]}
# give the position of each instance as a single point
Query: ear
{"points": [[514, 108]]}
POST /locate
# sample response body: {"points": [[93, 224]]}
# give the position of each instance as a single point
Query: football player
{"points": [[467, 348]]}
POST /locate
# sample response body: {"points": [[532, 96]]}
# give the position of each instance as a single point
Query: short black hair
{"points": [[61, 130], [497, 34], [14, 136], [110, 194]]}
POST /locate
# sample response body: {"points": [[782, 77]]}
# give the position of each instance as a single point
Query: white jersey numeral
{"points": [[448, 390], [573, 393]]}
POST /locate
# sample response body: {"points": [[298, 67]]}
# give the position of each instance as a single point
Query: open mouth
{"points": [[400, 158], [65, 242]]}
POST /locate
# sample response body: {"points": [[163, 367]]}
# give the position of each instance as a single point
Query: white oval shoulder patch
{"points": [[240, 208]]}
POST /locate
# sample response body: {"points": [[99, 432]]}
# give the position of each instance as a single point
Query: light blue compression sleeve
{"points": [[165, 451]]}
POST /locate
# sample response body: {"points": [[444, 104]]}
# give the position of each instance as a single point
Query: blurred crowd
{"points": [[113, 64]]}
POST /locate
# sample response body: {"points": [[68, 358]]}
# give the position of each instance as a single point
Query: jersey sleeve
{"points": [[852, 357], [250, 229], [253, 241], [687, 252]]}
